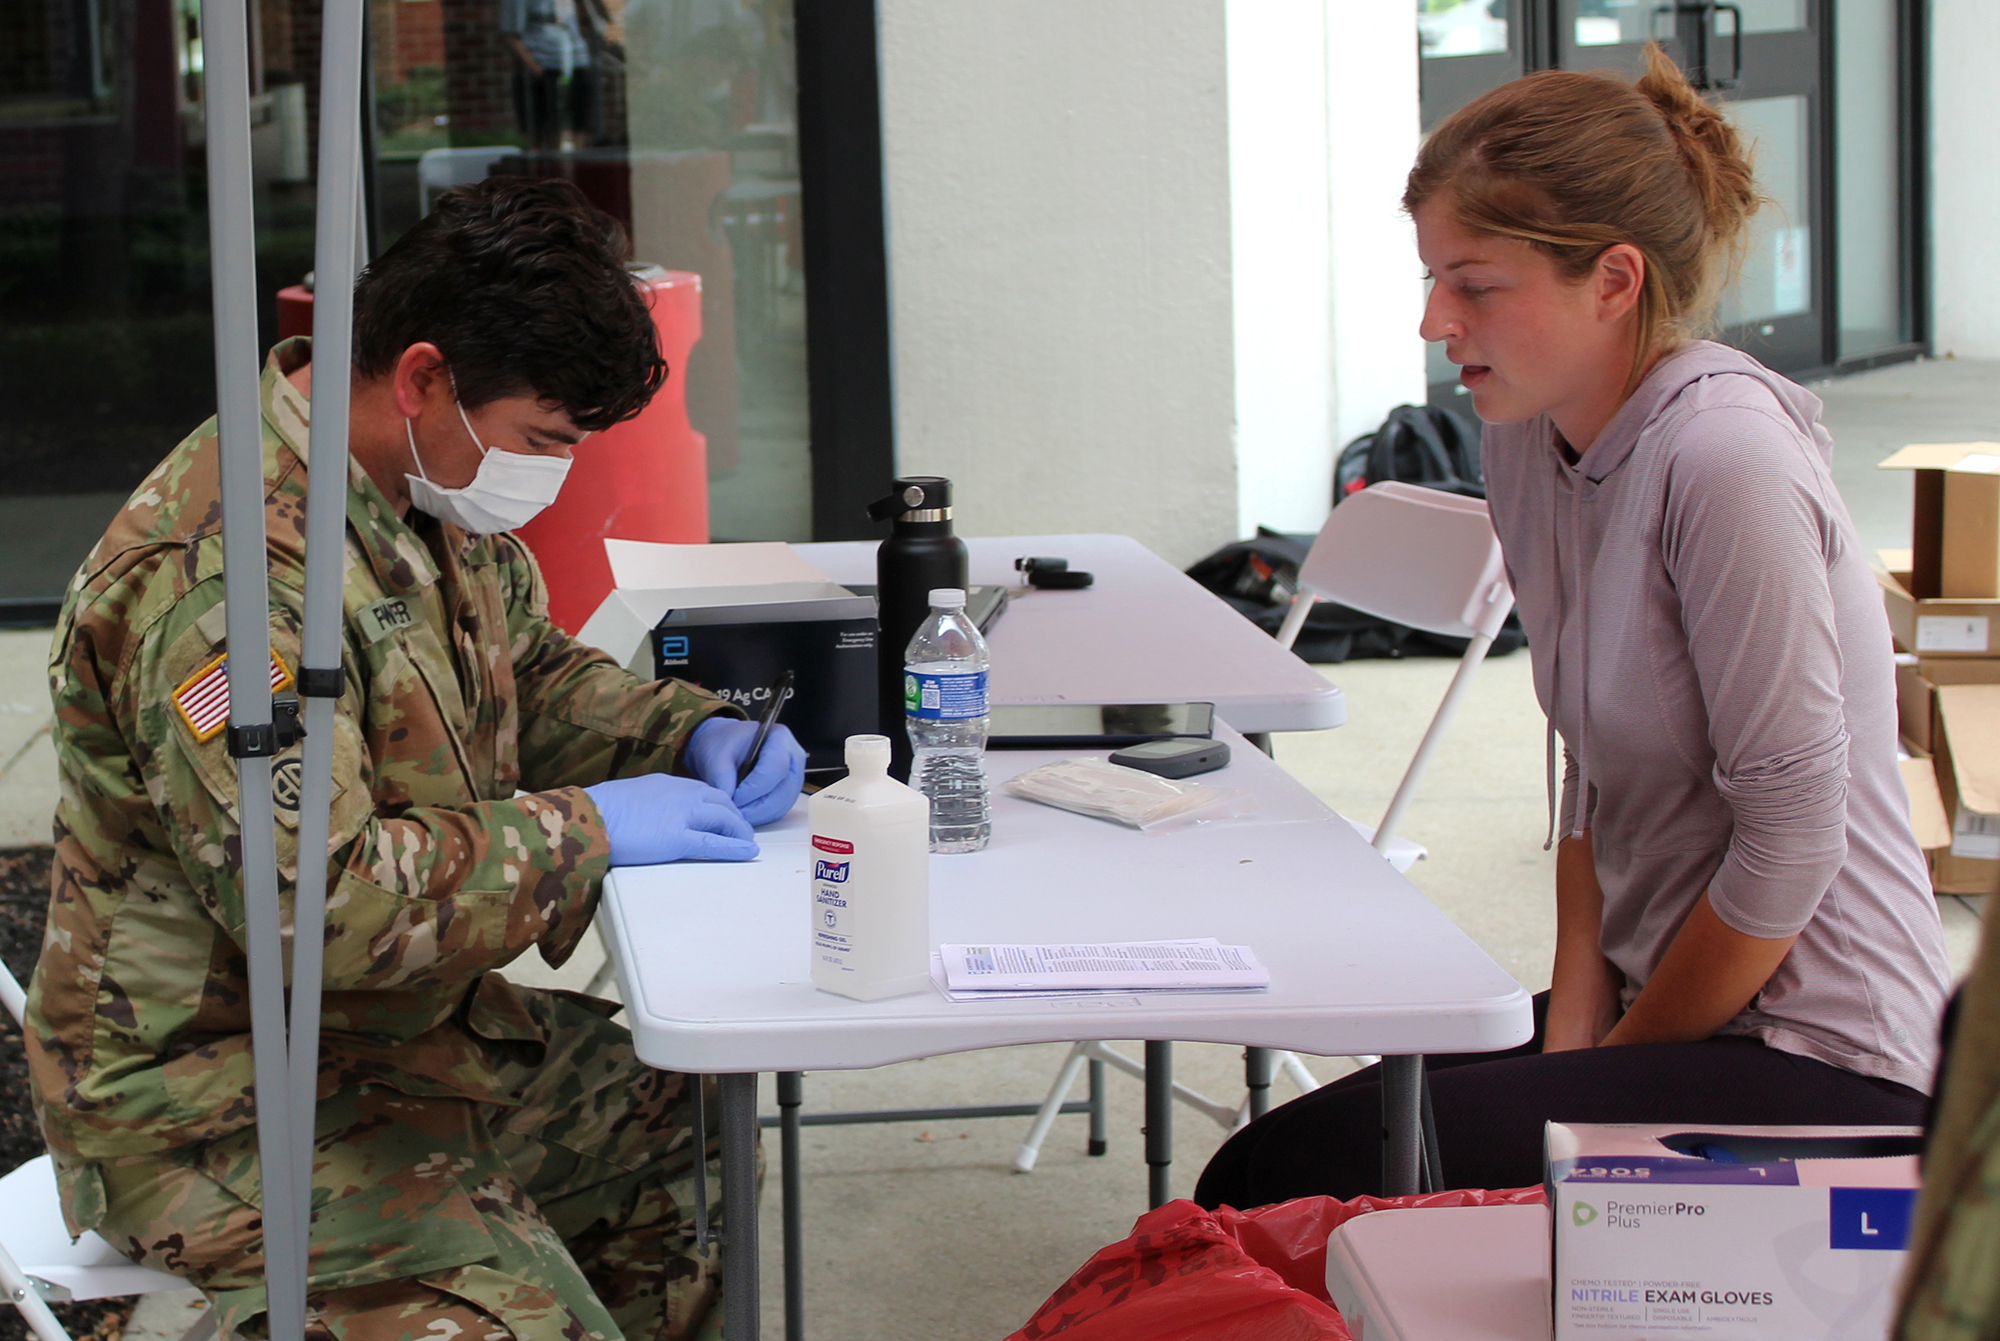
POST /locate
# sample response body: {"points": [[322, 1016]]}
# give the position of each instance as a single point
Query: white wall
{"points": [[1378, 290], [1323, 126], [1280, 232], [1965, 179], [1058, 194], [1147, 263]]}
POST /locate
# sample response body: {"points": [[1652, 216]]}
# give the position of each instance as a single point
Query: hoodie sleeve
{"points": [[1748, 539], [1566, 809]]}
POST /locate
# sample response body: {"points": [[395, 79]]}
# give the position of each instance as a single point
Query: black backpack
{"points": [[1258, 577], [1417, 444]]}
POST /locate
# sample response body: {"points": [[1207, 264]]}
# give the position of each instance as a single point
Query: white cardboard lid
{"points": [[1976, 458]]}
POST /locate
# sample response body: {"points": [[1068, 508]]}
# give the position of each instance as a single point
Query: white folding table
{"points": [[713, 959], [1144, 633]]}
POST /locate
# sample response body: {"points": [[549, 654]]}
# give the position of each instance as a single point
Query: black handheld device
{"points": [[1179, 757]]}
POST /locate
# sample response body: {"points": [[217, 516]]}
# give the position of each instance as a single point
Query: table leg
{"points": [[791, 1094], [1098, 1142], [739, 1205], [1257, 1075], [1159, 1122], [1402, 1124], [704, 1232]]}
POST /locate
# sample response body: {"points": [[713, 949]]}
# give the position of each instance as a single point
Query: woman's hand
{"points": [[1708, 975], [1583, 1007], [1583, 995]]}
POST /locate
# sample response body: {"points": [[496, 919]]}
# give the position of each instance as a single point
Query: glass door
{"points": [[1878, 170], [1468, 47], [1761, 60], [680, 119]]}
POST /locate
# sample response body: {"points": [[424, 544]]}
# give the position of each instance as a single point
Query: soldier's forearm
{"points": [[601, 723], [443, 894]]}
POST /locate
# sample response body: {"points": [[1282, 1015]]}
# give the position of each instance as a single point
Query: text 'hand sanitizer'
{"points": [[871, 905]]}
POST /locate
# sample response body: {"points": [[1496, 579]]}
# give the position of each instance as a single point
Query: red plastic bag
{"points": [[1186, 1274]]}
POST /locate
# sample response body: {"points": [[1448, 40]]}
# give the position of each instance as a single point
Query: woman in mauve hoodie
{"points": [[1745, 928]]}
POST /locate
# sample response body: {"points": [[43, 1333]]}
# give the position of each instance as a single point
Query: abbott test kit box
{"points": [[1728, 1232]]}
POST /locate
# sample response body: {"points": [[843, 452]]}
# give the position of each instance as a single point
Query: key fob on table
{"points": [[1180, 757]]}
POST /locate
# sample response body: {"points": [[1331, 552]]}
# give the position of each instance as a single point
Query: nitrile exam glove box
{"points": [[1723, 1233]]}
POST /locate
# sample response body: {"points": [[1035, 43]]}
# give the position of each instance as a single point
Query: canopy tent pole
{"points": [[337, 256], [252, 738], [286, 1075]]}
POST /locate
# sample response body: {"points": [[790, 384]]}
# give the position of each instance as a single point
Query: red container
{"points": [[295, 311], [644, 479]]}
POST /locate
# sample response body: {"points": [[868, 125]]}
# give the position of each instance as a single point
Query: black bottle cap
{"points": [[914, 493]]}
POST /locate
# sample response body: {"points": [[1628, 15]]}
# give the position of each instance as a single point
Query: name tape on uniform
{"points": [[385, 617], [203, 700]]}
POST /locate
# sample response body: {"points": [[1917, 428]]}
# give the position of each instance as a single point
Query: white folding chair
{"points": [[1422, 558], [1419, 557], [38, 1263], [438, 170]]}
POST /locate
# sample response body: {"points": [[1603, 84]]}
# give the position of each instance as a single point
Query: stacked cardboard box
{"points": [[1943, 599]]}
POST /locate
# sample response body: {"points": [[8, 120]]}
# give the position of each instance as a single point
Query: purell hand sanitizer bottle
{"points": [[871, 914]]}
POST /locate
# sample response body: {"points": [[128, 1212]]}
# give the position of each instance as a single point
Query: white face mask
{"points": [[507, 490]]}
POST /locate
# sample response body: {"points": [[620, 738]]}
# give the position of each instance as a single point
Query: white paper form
{"points": [[1121, 966], [1061, 993]]}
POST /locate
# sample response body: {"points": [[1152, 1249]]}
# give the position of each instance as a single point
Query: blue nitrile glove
{"points": [[715, 753], [656, 817]]}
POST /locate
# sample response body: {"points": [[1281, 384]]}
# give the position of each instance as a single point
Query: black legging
{"points": [[1490, 1107]]}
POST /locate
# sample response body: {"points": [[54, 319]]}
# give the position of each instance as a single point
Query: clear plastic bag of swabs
{"points": [[1144, 801]]}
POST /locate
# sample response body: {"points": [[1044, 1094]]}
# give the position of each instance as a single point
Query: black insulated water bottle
{"points": [[920, 555]]}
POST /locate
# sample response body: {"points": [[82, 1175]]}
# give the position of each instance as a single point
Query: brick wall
{"points": [[31, 167], [479, 68], [419, 38]]}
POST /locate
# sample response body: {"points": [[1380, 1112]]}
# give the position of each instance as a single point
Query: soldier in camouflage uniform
{"points": [[491, 1161], [1951, 1290]]}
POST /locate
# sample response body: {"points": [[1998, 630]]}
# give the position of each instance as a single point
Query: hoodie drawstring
{"points": [[1578, 820], [1565, 599]]}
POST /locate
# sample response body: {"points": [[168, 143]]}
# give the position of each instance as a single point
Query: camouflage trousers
{"points": [[570, 1216]]}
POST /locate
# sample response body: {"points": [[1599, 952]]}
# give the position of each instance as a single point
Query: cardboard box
{"points": [[1955, 527], [1476, 1273], [1938, 627], [1728, 1233], [730, 617], [1929, 820], [1946, 707], [737, 651], [1968, 759]]}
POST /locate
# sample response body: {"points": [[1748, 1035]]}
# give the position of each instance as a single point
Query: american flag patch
{"points": [[203, 701]]}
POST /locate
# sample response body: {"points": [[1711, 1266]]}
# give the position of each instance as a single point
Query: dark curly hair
{"points": [[522, 284]]}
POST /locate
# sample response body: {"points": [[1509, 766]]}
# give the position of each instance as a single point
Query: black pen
{"points": [[781, 689]]}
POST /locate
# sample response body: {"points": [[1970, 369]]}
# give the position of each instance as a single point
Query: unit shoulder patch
{"points": [[203, 698]]}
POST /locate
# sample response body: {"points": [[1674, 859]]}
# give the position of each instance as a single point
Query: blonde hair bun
{"points": [[1718, 163]]}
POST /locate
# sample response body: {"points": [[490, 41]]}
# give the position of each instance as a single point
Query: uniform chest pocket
{"points": [[415, 725]]}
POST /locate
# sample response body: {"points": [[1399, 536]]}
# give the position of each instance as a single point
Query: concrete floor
{"points": [[922, 1231]]}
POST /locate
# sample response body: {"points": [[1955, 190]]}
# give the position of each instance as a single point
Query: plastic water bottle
{"points": [[944, 707]]}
